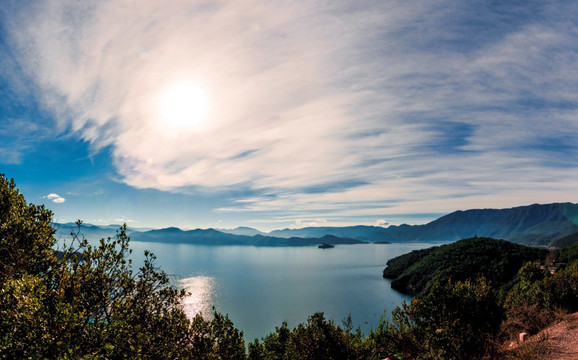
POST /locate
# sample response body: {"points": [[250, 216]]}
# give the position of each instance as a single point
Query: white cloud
{"points": [[404, 100], [123, 220], [55, 198], [381, 222], [268, 88], [110, 221]]}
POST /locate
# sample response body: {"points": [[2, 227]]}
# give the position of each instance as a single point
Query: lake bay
{"points": [[260, 287]]}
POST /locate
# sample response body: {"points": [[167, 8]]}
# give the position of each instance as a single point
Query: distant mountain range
{"points": [[549, 224], [215, 237], [533, 224], [243, 230], [199, 236]]}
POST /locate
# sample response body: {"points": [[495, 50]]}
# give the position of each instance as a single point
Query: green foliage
{"points": [[319, 338], [526, 289], [568, 254], [548, 292], [561, 289], [397, 266], [216, 339], [453, 321], [26, 236], [390, 337], [23, 324], [496, 260], [566, 241], [538, 298], [89, 302]]}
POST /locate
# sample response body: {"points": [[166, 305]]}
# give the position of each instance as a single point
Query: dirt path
{"points": [[562, 339], [558, 342]]}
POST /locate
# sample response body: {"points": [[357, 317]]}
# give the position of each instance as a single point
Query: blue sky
{"points": [[287, 114]]}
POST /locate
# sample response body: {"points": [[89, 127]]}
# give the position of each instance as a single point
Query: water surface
{"points": [[260, 287]]}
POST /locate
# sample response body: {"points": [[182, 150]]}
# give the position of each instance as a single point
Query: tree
{"points": [[216, 339], [26, 236], [88, 302], [452, 321], [561, 289], [318, 338]]}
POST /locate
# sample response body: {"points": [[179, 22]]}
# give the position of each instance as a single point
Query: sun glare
{"points": [[182, 107], [200, 300]]}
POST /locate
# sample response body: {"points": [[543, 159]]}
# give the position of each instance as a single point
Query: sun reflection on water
{"points": [[200, 301]]}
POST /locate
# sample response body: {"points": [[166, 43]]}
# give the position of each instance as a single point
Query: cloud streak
{"points": [[405, 105]]}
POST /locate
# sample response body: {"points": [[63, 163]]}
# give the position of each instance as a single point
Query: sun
{"points": [[182, 107]]}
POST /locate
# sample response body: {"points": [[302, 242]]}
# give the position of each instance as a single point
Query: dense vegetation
{"points": [[496, 260], [88, 302], [85, 302], [566, 241]]}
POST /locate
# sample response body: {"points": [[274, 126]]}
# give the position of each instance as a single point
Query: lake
{"points": [[260, 287]]}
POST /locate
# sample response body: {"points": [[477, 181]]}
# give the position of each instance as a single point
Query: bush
{"points": [[319, 338], [453, 321], [26, 236], [527, 318]]}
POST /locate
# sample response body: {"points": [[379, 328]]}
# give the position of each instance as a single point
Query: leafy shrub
{"points": [[319, 338]]}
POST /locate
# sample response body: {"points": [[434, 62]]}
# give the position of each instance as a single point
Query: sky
{"points": [[275, 114]]}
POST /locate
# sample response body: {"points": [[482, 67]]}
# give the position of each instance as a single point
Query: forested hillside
{"points": [[566, 241], [497, 260], [533, 224]]}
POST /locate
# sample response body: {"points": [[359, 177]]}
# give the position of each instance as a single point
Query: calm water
{"points": [[260, 287]]}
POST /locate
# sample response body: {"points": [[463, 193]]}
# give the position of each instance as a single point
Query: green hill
{"points": [[566, 241], [568, 255], [497, 260]]}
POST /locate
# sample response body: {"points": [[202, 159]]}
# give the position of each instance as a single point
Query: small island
{"points": [[326, 246]]}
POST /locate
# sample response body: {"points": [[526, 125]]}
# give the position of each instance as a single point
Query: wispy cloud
{"points": [[379, 106], [123, 220], [19, 136], [110, 221]]}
